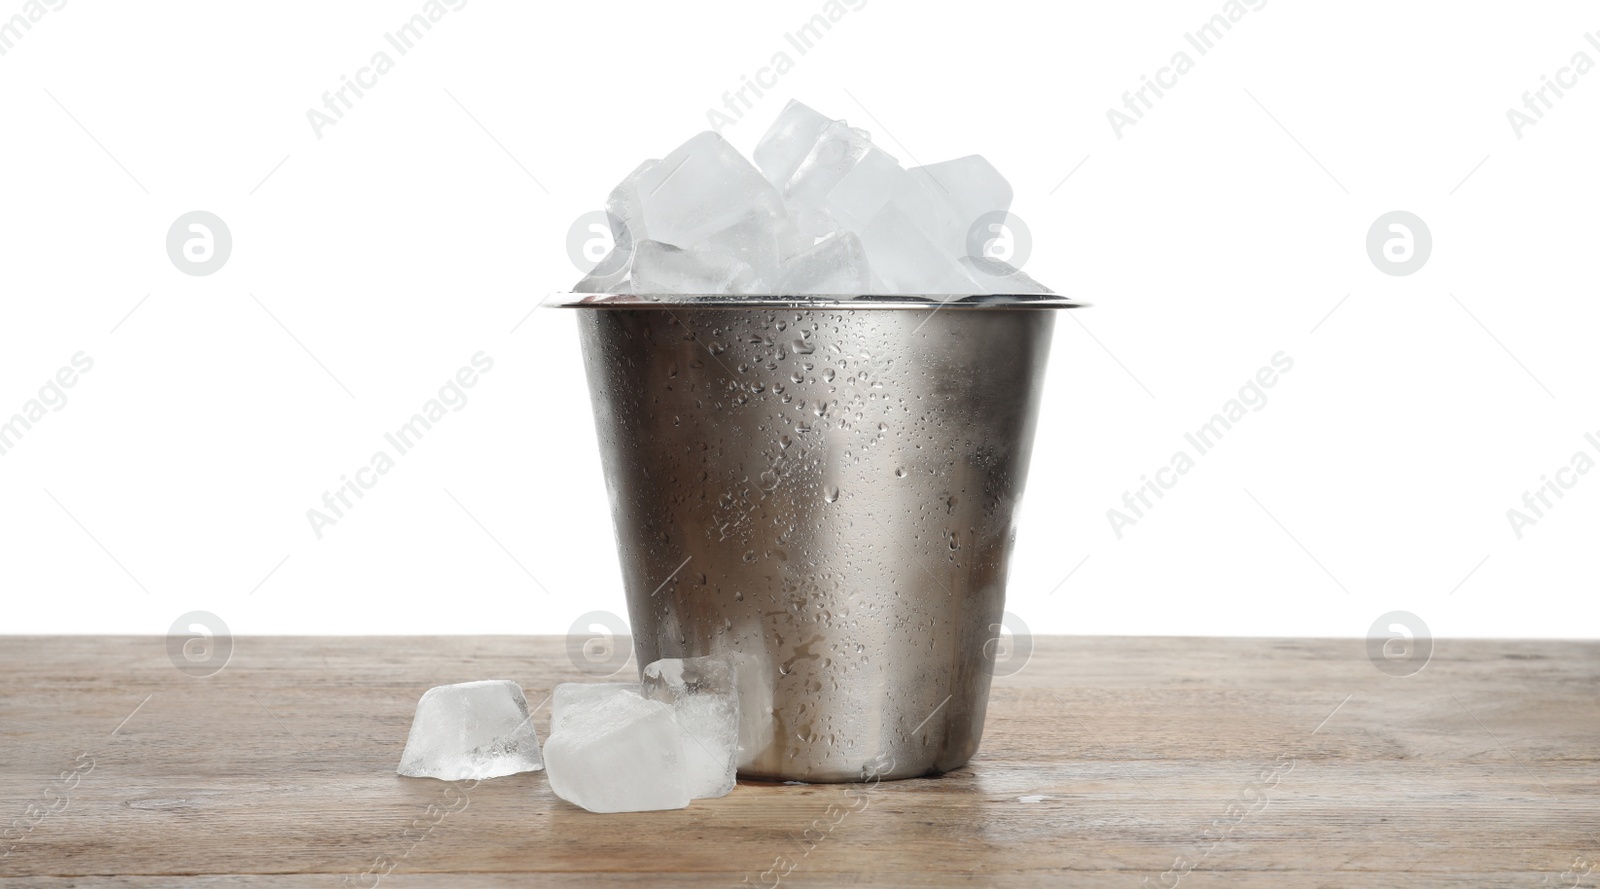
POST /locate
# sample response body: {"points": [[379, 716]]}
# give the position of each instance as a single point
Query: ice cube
{"points": [[865, 189], [663, 268], [793, 241], [571, 698], [471, 730], [754, 240], [624, 754], [965, 188], [837, 265], [607, 275], [787, 142], [705, 703], [625, 218], [845, 179], [701, 188], [627, 207], [994, 276], [906, 261], [753, 675]]}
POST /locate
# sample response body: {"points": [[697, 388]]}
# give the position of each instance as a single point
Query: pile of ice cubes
{"points": [[613, 747], [826, 213]]}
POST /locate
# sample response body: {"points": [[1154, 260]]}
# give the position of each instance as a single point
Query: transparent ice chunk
{"points": [[571, 698], [756, 240], [663, 268], [608, 275], [471, 730], [701, 188], [624, 754], [625, 218], [753, 676], [907, 262], [705, 702], [844, 179], [837, 265], [627, 207], [787, 142], [953, 196]]}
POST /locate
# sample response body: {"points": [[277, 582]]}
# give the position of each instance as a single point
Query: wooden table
{"points": [[1106, 762]]}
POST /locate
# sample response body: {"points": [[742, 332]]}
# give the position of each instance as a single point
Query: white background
{"points": [[1226, 226]]}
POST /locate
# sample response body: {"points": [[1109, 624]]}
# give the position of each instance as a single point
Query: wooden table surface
{"points": [[1106, 762]]}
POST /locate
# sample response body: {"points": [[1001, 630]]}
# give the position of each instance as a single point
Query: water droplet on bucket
{"points": [[831, 494]]}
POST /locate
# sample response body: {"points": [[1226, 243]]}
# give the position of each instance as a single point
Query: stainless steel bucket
{"points": [[824, 490]]}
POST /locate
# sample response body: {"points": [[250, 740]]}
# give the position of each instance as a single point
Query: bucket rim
{"points": [[923, 302]]}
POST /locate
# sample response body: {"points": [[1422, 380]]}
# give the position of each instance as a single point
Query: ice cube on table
{"points": [[753, 676], [663, 268], [572, 698], [787, 142], [471, 730], [905, 261], [701, 188], [836, 265], [624, 754], [705, 703], [994, 276]]}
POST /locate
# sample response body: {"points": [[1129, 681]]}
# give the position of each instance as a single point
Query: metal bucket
{"points": [[823, 490]]}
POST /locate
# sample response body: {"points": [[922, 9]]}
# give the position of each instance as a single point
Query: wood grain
{"points": [[1106, 762]]}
